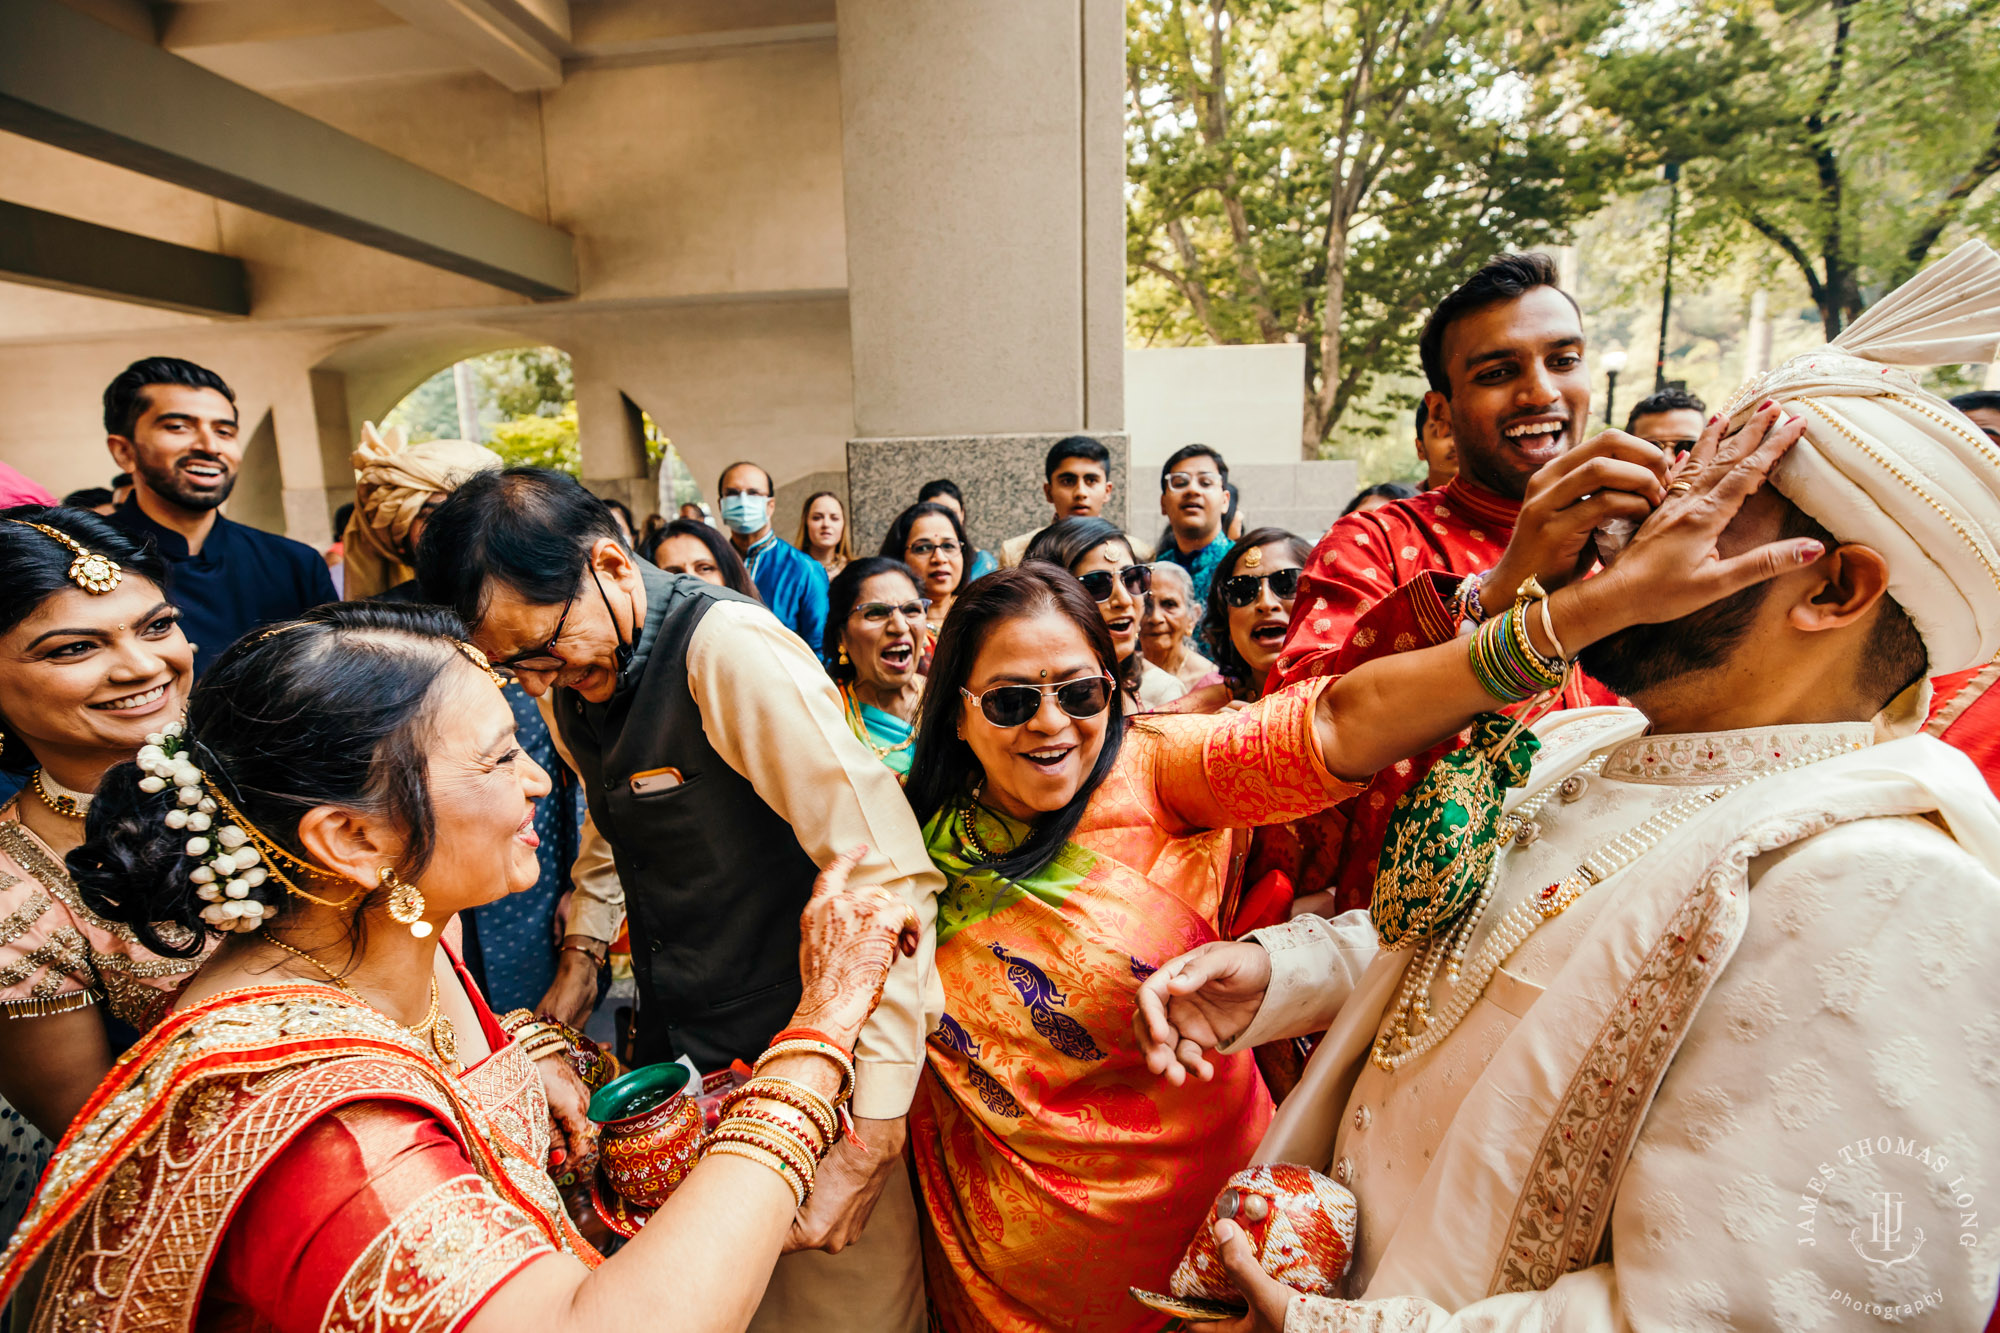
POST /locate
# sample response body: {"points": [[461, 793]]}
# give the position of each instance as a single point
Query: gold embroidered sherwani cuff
{"points": [[1315, 964], [1318, 1314]]}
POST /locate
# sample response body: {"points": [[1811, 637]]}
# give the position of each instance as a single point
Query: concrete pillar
{"points": [[612, 440], [984, 171]]}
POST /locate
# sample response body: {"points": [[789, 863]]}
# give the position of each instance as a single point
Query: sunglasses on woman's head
{"points": [[1138, 579], [876, 613], [1012, 705], [1241, 589]]}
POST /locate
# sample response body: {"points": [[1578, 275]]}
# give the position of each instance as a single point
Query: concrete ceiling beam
{"points": [[518, 43], [624, 32], [50, 250], [70, 81]]}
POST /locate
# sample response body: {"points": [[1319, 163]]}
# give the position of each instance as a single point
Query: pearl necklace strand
{"points": [[1413, 1030]]}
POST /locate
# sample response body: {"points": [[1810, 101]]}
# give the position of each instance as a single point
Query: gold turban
{"points": [[1889, 465], [391, 482]]}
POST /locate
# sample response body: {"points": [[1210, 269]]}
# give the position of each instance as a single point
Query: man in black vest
{"points": [[720, 768]]}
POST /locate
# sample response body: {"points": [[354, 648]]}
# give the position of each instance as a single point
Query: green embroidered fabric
{"points": [[1444, 832]]}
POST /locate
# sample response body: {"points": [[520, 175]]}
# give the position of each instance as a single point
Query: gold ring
{"points": [[1680, 488]]}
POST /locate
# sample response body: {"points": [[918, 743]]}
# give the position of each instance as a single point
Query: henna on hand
{"points": [[849, 936]]}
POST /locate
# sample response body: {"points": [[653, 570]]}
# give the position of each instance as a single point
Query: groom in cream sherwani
{"points": [[1751, 1078]]}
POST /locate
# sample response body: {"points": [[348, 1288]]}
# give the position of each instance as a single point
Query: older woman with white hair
{"points": [[1166, 629]]}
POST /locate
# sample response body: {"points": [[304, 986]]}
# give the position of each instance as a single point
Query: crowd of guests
{"points": [[1022, 897]]}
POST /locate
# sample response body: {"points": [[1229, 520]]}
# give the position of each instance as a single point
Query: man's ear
{"points": [[1439, 405], [1163, 504], [123, 452], [611, 559], [1049, 491], [1853, 579]]}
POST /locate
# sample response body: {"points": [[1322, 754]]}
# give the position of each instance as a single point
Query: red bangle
{"points": [[809, 1034]]}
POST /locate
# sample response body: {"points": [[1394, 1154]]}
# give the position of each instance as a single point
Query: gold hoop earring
{"points": [[406, 902]]}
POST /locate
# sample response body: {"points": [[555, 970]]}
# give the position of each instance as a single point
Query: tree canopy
{"points": [[1851, 136], [1324, 172]]}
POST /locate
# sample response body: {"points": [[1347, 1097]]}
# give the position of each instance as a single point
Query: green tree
{"points": [[1324, 172], [539, 441], [1852, 136]]}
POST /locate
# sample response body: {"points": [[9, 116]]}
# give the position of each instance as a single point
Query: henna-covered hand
{"points": [[848, 937]]}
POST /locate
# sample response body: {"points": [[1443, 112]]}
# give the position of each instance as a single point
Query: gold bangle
{"points": [[764, 1157], [773, 1141], [806, 1046], [782, 1141], [783, 1090], [810, 1131]]}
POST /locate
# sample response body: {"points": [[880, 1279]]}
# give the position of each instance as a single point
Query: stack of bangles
{"points": [[1505, 660], [543, 1037], [782, 1124]]}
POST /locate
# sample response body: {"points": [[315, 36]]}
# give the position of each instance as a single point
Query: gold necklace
{"points": [[435, 1028], [65, 803], [859, 726]]}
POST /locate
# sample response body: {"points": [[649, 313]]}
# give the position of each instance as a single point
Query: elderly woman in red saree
{"points": [[1057, 1171], [332, 1130]]}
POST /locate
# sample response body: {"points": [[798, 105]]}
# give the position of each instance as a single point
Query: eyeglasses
{"points": [[544, 658], [918, 550], [1138, 580], [1012, 705], [1201, 481], [1241, 589], [738, 491], [876, 613]]}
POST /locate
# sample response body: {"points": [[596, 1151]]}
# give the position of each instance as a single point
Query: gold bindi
{"points": [[94, 573]]}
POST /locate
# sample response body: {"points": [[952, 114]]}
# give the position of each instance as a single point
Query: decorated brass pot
{"points": [[652, 1133], [1300, 1223]]}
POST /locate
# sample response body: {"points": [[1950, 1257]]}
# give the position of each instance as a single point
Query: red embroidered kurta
{"points": [[1369, 590], [1965, 714]]}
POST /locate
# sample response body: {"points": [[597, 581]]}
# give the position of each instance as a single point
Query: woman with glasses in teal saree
{"points": [[876, 641]]}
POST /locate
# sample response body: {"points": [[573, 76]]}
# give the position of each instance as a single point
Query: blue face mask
{"points": [[745, 514]]}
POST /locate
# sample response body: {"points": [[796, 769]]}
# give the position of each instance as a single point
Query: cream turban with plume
{"points": [[1889, 465], [392, 481]]}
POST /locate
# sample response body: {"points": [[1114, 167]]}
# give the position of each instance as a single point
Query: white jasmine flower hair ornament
{"points": [[235, 859]]}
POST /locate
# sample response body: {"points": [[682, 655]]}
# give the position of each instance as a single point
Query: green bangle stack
{"points": [[1505, 660]]}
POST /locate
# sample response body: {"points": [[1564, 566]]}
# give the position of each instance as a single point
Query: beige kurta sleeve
{"points": [[1824, 1148], [597, 907], [1315, 964], [772, 713]]}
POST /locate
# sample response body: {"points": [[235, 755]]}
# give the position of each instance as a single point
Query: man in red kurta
{"points": [[1504, 357]]}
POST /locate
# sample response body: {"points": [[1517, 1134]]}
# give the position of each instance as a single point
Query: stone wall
{"points": [[1001, 476]]}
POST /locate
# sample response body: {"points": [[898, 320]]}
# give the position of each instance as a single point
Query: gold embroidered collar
{"points": [[1706, 758]]}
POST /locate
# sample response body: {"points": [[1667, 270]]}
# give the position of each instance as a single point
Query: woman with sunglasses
{"points": [[1079, 855], [875, 633], [1099, 553], [932, 542], [1250, 607]]}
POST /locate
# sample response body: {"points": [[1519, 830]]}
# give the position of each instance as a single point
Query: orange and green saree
{"points": [[1056, 1169]]}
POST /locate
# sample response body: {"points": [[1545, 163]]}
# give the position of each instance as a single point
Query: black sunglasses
{"points": [[1012, 705], [1138, 580], [1241, 589]]}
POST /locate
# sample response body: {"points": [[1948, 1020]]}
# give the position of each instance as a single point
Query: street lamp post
{"points": [[1673, 174], [1613, 361]]}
